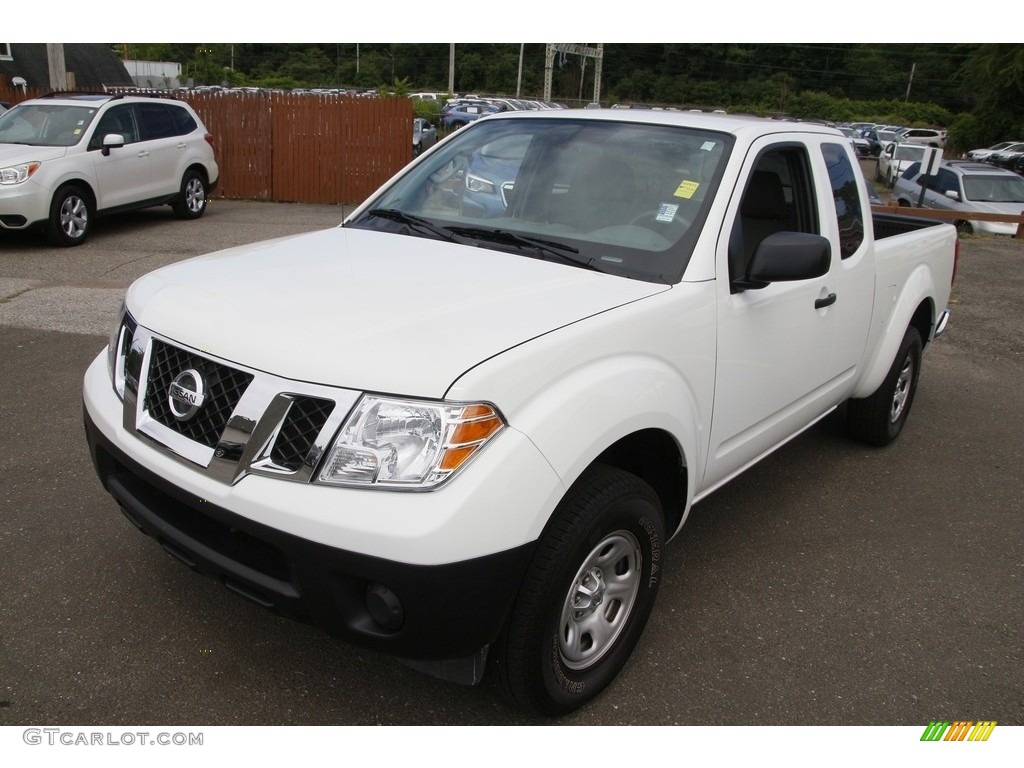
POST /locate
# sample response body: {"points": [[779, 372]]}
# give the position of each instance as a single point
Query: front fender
{"points": [[579, 390]]}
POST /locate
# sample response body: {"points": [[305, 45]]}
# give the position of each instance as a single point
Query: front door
{"points": [[788, 351]]}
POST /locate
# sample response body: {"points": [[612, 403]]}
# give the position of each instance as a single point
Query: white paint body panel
{"points": [[367, 310]]}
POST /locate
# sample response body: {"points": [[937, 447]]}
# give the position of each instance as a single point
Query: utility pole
{"points": [[519, 80], [911, 81], [577, 49], [451, 68], [57, 67]]}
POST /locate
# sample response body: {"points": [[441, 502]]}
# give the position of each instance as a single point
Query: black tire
{"points": [[586, 596], [879, 419], [71, 215], [191, 200]]}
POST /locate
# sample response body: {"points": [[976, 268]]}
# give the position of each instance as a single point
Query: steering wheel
{"points": [[449, 169]]}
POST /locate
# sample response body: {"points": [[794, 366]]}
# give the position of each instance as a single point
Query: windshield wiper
{"points": [[413, 222], [505, 237]]}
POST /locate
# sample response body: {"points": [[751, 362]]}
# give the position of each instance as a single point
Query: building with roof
{"points": [[89, 66]]}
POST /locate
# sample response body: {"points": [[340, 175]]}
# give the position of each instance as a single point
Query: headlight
{"points": [[117, 349], [16, 174], [476, 184], [408, 444]]}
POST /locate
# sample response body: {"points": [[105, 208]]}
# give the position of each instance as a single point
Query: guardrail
{"points": [[952, 216]]}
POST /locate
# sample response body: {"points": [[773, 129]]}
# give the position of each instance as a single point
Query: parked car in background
{"points": [[66, 159], [424, 135], [1007, 157], [873, 197], [929, 137], [987, 152], [879, 139], [895, 159], [459, 115], [963, 185], [860, 144]]}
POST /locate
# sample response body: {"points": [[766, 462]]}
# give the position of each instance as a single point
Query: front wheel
{"points": [[191, 200], [587, 594], [879, 418], [71, 215]]}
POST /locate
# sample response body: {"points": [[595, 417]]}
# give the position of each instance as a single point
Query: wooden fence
{"points": [[301, 148], [952, 217]]}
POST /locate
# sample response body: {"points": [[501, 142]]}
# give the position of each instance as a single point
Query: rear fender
{"points": [[918, 290]]}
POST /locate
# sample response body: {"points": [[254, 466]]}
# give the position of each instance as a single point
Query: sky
{"points": [[805, 21]]}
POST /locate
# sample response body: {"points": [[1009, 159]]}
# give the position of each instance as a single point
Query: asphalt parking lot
{"points": [[831, 585]]}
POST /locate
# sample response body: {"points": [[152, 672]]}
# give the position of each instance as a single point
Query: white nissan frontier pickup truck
{"points": [[462, 427]]}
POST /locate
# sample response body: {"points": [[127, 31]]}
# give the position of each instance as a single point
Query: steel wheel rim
{"points": [[600, 600], [195, 195], [902, 393], [74, 217]]}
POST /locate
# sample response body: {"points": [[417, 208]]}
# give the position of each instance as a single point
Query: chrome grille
{"points": [[225, 386], [305, 419], [248, 422]]}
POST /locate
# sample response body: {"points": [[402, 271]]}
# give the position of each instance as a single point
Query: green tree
{"points": [[994, 75]]}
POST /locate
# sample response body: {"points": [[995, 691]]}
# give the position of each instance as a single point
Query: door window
{"points": [[157, 121], [845, 181], [779, 197], [118, 119]]}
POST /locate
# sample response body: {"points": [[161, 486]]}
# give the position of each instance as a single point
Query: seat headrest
{"points": [[764, 198]]}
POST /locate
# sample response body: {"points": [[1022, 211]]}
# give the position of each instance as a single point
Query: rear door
{"points": [[163, 133]]}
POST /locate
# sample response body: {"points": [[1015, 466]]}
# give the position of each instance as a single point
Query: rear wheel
{"points": [[586, 596], [71, 215], [879, 418], [191, 200]]}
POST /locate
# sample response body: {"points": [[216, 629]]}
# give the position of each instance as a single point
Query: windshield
{"points": [[994, 189], [624, 198], [45, 125]]}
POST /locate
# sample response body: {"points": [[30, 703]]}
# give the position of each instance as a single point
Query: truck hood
{"points": [[13, 154], [367, 310]]}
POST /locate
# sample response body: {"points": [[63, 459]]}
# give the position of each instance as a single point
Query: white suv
{"points": [[928, 136], [966, 187], [64, 159]]}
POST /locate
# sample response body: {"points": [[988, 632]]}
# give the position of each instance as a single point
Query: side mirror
{"points": [[952, 194], [785, 257], [112, 141]]}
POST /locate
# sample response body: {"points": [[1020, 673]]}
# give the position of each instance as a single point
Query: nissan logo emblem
{"points": [[186, 394]]}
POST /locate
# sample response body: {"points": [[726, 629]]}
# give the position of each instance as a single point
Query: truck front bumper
{"points": [[439, 614]]}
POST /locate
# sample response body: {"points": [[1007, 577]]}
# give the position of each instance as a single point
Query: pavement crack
{"points": [[16, 294]]}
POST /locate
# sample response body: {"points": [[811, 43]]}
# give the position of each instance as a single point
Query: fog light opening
{"points": [[384, 606]]}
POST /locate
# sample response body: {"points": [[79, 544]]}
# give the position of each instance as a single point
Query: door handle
{"points": [[827, 301]]}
